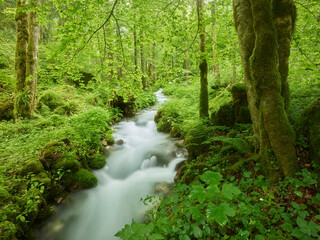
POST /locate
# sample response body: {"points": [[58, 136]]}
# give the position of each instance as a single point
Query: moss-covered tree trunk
{"points": [[204, 98], [244, 27], [284, 14], [21, 103], [276, 134], [32, 55], [214, 45]]}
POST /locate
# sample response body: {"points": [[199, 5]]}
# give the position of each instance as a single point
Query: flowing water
{"points": [[145, 159]]}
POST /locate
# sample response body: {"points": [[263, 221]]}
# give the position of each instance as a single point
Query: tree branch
{"points": [[101, 26]]}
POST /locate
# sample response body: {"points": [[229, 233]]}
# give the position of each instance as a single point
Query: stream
{"points": [[134, 169]]}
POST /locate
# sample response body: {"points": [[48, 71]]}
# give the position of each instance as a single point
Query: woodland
{"points": [[243, 79]]}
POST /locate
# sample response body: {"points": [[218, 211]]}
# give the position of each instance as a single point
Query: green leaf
{"points": [[156, 236], [287, 227], [228, 210], [210, 177], [229, 190], [198, 192], [302, 223], [197, 232], [297, 233], [217, 214], [259, 237]]}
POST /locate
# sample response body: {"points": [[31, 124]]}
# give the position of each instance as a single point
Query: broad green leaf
{"points": [[217, 214], [297, 233], [228, 210], [156, 236], [259, 237], [229, 190], [210, 177], [198, 192], [287, 227], [197, 232]]}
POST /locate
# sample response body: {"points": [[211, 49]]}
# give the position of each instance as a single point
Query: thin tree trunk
{"points": [[135, 47], [154, 73], [234, 67], [203, 66], [21, 108], [244, 26], [143, 63], [32, 56], [214, 45]]}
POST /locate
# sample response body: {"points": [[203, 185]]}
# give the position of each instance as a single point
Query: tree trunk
{"points": [[276, 134], [21, 106], [284, 19], [154, 55], [32, 56], [234, 67], [135, 47], [214, 45], [203, 66], [143, 63], [267, 82], [244, 27]]}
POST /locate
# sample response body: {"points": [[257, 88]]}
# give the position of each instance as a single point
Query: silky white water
{"points": [[133, 169]]}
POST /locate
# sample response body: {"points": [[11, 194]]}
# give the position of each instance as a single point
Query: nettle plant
{"points": [[217, 208]]}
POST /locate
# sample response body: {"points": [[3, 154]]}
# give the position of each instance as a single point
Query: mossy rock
{"points": [[6, 109], [68, 163], [81, 179], [30, 166], [243, 115], [225, 116], [308, 125], [195, 138], [96, 161], [238, 93], [175, 132], [5, 196], [51, 99], [110, 139], [51, 154], [44, 179], [7, 230]]}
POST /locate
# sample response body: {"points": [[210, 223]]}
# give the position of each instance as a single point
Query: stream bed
{"points": [[145, 159]]}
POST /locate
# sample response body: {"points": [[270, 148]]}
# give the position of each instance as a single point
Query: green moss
{"points": [[7, 230], [96, 161], [31, 166], [243, 115], [195, 138], [308, 125], [68, 163], [84, 179], [225, 116], [6, 109], [193, 171], [5, 196], [51, 153], [238, 92], [110, 139], [51, 99]]}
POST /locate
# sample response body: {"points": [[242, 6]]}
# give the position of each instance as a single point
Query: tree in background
{"points": [[258, 37], [28, 36], [203, 65]]}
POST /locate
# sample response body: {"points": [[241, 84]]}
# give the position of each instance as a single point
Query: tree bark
{"points": [[244, 27], [284, 19], [203, 66], [259, 53], [267, 82], [21, 105], [32, 56], [143, 63], [214, 45], [154, 55]]}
